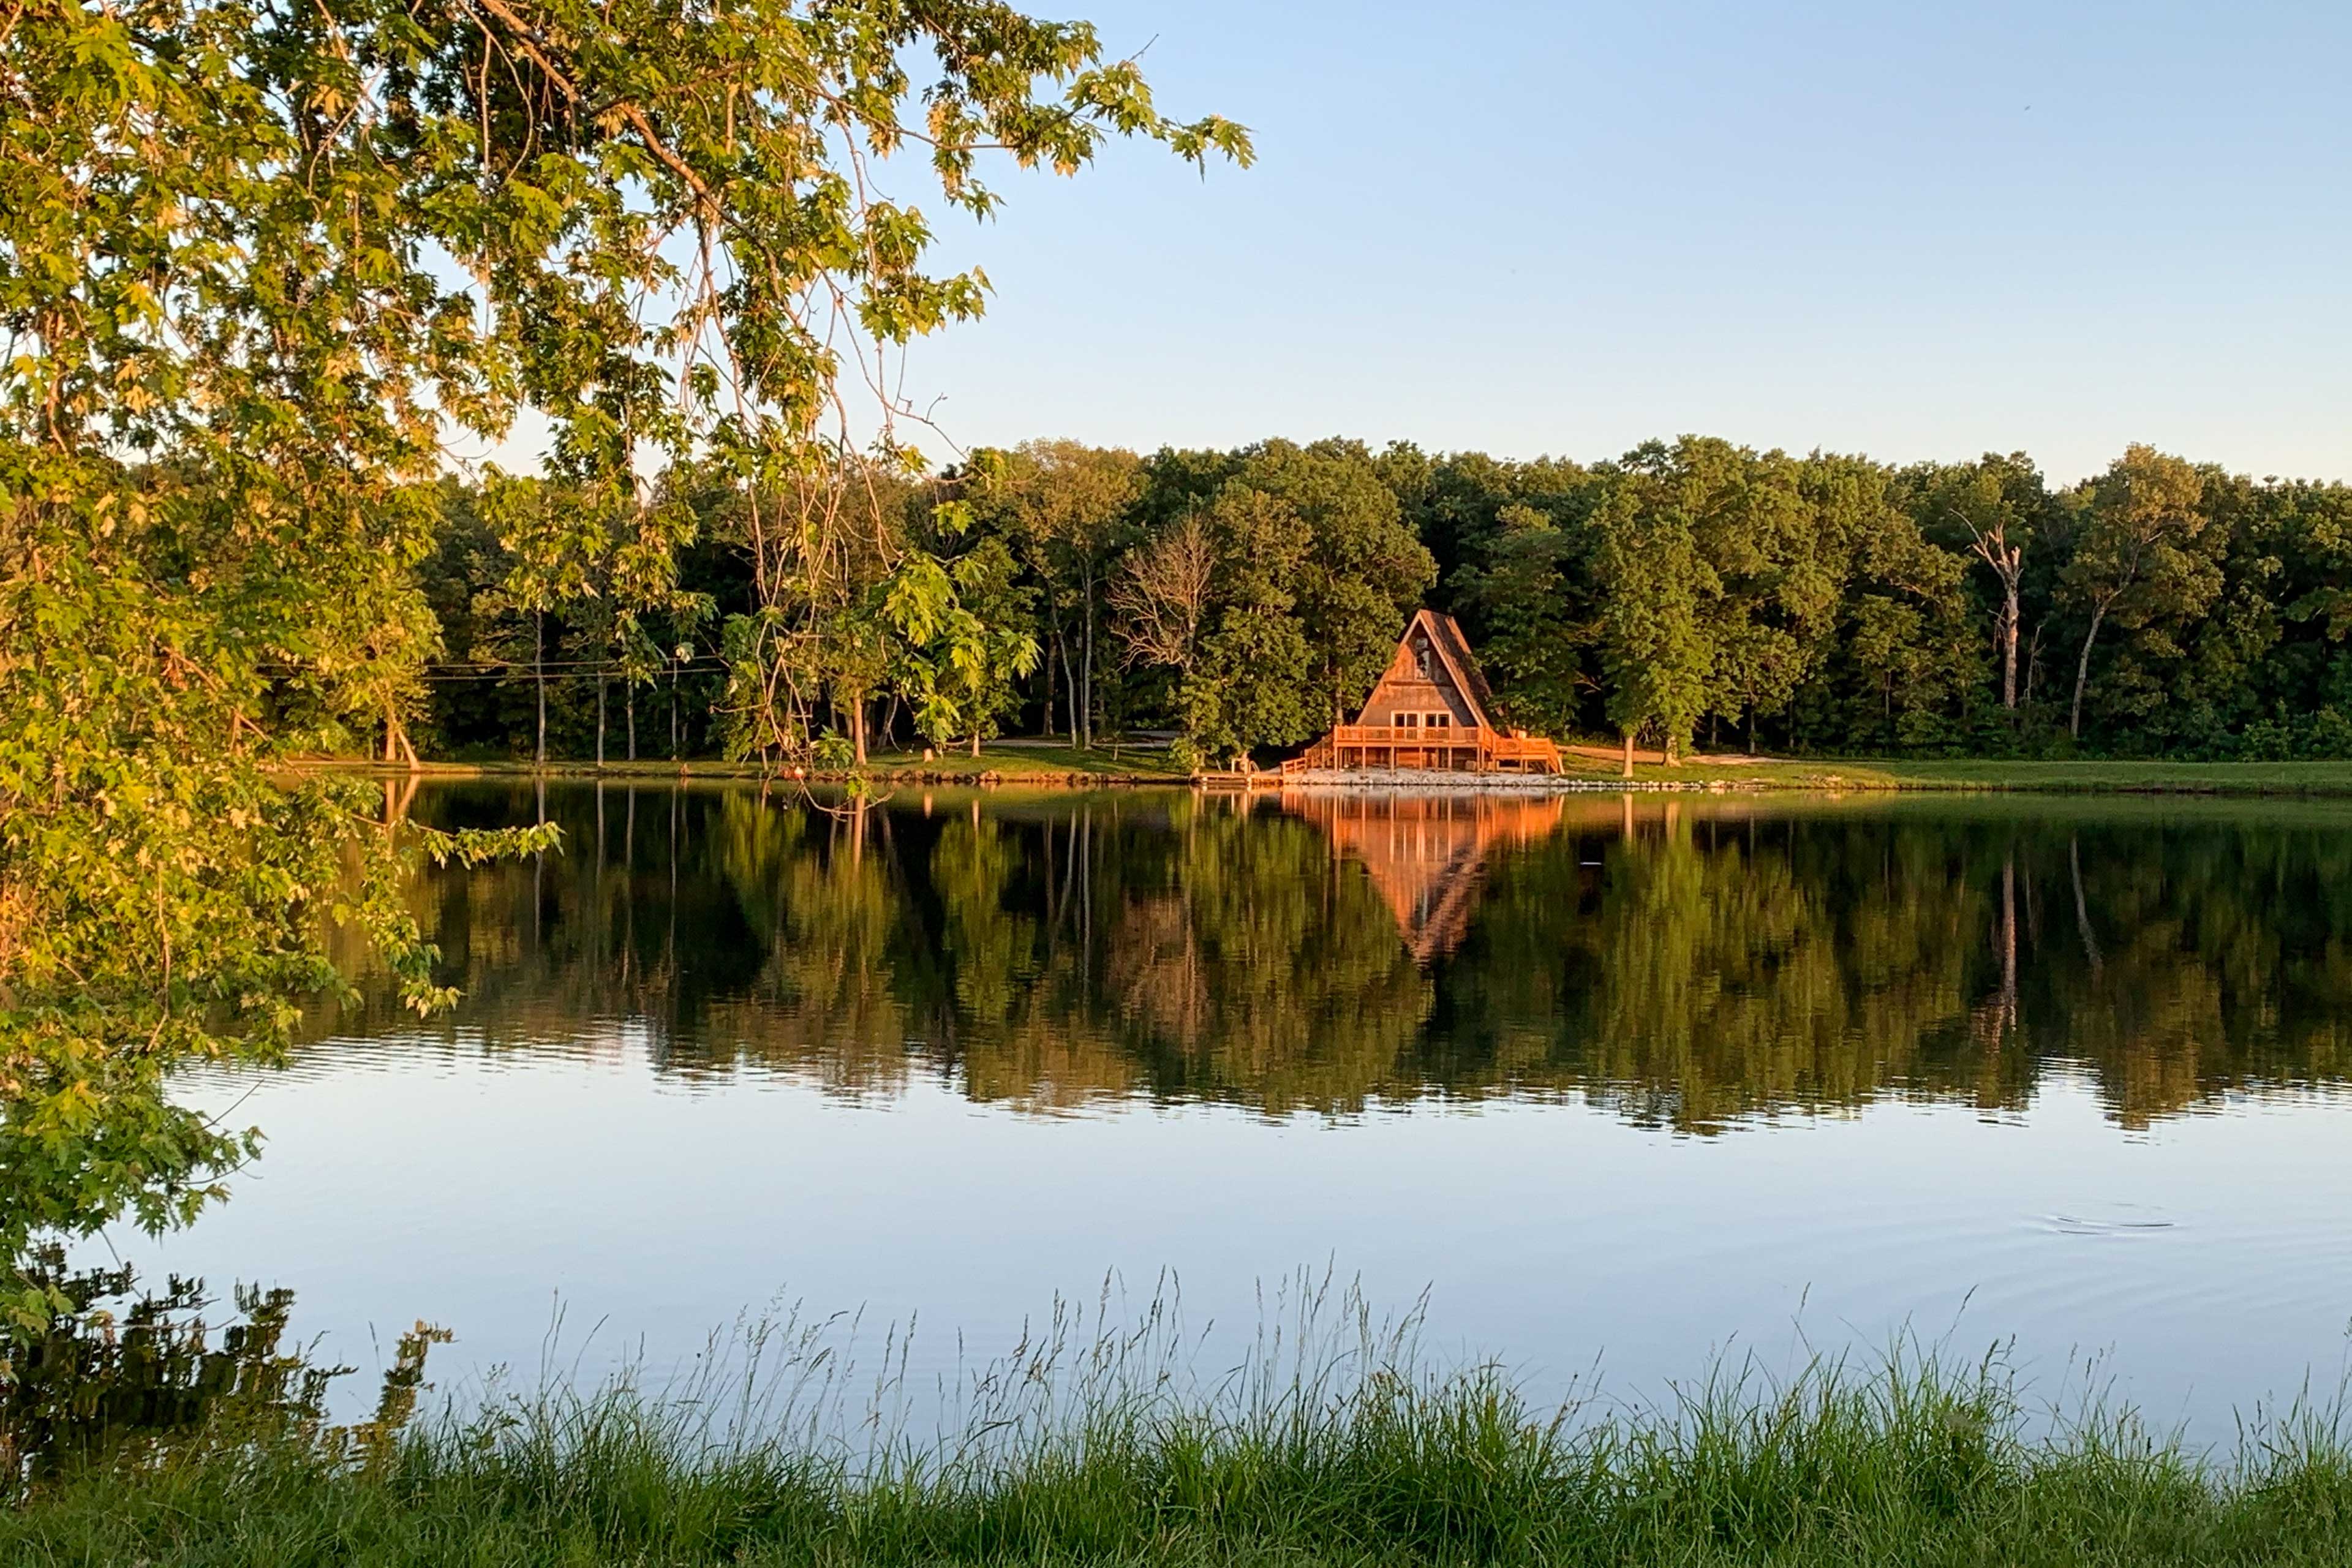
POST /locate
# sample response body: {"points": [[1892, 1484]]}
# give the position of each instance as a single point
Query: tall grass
{"points": [[1332, 1437]]}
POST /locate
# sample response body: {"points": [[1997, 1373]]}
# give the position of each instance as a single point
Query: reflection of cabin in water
{"points": [[1429, 709], [1426, 854]]}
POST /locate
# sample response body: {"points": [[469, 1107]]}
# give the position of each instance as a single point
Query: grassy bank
{"points": [[1033, 764], [2101, 778], [2049, 777], [1023, 764], [1066, 765], [1379, 1465]]}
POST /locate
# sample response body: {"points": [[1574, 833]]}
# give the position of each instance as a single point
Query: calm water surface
{"points": [[1618, 1081]]}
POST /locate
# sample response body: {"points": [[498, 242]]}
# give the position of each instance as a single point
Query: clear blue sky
{"points": [[1911, 229]]}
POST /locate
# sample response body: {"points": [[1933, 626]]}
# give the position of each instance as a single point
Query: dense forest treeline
{"points": [[1686, 593]]}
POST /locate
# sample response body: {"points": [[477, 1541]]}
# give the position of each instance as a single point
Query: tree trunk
{"points": [[1047, 730], [1751, 729], [2008, 646], [2082, 673], [976, 740], [1629, 753], [539, 671], [600, 720], [857, 727], [1089, 726], [629, 700], [396, 743], [1069, 680], [673, 711]]}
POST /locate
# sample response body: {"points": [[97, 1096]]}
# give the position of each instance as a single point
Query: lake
{"points": [[1623, 1084]]}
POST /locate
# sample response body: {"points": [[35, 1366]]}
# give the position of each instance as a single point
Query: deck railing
{"points": [[1484, 750], [1526, 747], [1402, 735]]}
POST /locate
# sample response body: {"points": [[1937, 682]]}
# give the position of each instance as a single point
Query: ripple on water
{"points": [[2108, 1221]]}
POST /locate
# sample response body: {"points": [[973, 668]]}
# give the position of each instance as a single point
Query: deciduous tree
{"points": [[257, 264], [1654, 648], [2139, 514], [1067, 505]]}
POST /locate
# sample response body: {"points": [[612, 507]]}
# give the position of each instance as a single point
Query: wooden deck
{"points": [[1466, 750]]}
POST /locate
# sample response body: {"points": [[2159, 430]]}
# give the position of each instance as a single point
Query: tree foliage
{"points": [[259, 266]]}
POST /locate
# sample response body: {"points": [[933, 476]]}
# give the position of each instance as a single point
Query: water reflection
{"points": [[126, 1375], [1427, 854], [1689, 961]]}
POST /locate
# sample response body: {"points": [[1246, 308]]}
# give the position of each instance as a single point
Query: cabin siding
{"points": [[1396, 696], [1403, 688]]}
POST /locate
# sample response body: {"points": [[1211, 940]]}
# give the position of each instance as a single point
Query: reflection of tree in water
{"points": [[125, 1376], [1052, 957], [1727, 960], [1690, 967], [1685, 961], [1254, 968], [2221, 964], [822, 920]]}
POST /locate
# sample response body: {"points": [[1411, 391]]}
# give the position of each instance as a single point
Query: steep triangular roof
{"points": [[1452, 646]]}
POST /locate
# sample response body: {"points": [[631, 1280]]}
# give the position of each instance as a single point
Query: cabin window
{"points": [[1440, 720], [1408, 720], [1421, 657]]}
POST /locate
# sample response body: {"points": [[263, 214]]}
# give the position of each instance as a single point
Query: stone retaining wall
{"points": [[1424, 780]]}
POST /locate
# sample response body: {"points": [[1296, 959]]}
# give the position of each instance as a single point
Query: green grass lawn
{"points": [[1385, 1465], [1027, 763], [1733, 770], [2213, 778], [1021, 763]]}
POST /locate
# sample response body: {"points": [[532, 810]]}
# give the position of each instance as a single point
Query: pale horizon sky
{"points": [[1915, 231]]}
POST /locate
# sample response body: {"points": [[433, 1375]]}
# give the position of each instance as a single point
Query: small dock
{"points": [[1237, 781]]}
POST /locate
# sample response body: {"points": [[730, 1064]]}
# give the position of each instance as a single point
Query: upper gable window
{"points": [[1422, 656]]}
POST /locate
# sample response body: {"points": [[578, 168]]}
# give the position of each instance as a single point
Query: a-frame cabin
{"points": [[1429, 709]]}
